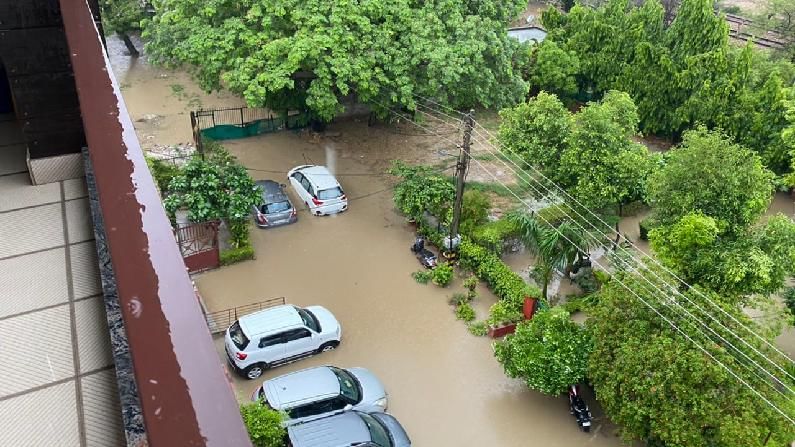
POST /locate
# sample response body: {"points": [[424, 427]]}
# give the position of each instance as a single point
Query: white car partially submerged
{"points": [[315, 392], [279, 335], [318, 189]]}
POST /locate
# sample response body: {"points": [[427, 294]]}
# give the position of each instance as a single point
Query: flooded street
{"points": [[444, 384]]}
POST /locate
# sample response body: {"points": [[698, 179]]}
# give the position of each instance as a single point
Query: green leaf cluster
{"points": [[493, 235], [310, 54], [421, 189], [464, 311], [264, 425], [678, 75], [506, 284], [442, 274], [549, 353], [211, 192], [590, 153], [657, 386]]}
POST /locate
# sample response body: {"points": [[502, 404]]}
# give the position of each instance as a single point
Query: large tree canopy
{"points": [[708, 173], [658, 386], [678, 76], [310, 53]]}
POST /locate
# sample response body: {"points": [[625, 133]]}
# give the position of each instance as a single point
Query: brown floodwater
{"points": [[445, 385]]}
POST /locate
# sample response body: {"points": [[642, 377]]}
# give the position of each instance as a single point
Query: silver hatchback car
{"points": [[351, 428], [315, 392], [275, 207]]}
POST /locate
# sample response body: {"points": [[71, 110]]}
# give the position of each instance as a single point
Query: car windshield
{"points": [[276, 207], [331, 193], [378, 433], [309, 319], [238, 337], [349, 386]]}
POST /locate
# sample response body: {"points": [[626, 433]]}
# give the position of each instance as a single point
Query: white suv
{"points": [[278, 335], [318, 189]]}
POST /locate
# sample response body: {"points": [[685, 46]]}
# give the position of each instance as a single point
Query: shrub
{"points": [[478, 328], [789, 300], [235, 255], [464, 311], [586, 280], [442, 274], [502, 313], [506, 284], [263, 424], [601, 276], [238, 232], [493, 235], [422, 276], [458, 298], [474, 210], [471, 282], [162, 172]]}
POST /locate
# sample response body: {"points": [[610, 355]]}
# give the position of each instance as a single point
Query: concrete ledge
{"points": [[55, 169]]}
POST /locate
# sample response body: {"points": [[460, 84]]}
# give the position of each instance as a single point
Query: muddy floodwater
{"points": [[444, 384]]}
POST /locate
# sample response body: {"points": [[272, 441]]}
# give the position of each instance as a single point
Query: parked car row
{"points": [[326, 406], [316, 186]]}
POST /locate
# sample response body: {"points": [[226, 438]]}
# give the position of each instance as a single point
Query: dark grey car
{"points": [[275, 208], [348, 429]]}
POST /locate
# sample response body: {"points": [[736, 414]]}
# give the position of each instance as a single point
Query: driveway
{"points": [[444, 384]]}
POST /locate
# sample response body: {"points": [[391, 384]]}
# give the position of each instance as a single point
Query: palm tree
{"points": [[555, 248]]}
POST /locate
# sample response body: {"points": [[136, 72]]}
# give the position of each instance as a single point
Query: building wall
{"points": [[34, 52]]}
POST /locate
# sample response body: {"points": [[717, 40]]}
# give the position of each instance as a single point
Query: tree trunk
{"points": [[128, 43]]}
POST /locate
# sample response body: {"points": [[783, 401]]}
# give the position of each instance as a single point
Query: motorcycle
{"points": [[425, 256], [579, 409]]}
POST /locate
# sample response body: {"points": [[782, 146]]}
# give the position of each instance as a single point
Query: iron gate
{"points": [[198, 243]]}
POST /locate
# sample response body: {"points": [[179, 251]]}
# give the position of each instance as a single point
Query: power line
{"points": [[654, 309]]}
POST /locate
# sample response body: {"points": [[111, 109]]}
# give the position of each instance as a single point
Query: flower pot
{"points": [[501, 331]]}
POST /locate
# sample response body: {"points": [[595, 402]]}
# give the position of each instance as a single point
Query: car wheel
{"points": [[330, 346], [255, 371]]}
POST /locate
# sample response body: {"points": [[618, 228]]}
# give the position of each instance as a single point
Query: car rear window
{"points": [[276, 207], [331, 193], [238, 337]]}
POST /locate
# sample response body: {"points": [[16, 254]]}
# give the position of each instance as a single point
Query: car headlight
{"points": [[381, 403]]}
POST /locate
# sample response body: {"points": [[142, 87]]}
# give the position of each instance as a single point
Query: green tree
{"points": [[659, 387], [549, 352], [554, 248], [553, 69], [310, 54], [123, 17], [708, 173], [264, 425], [421, 189], [212, 191], [474, 210], [601, 165], [537, 130]]}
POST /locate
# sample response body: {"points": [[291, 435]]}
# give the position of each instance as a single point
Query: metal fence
{"points": [[241, 122], [219, 321]]}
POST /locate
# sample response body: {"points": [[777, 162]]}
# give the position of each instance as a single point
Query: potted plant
{"points": [[503, 318]]}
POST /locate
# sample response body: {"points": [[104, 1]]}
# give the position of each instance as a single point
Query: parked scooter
{"points": [[425, 256], [579, 408]]}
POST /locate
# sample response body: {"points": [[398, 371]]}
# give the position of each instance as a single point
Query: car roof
{"points": [[270, 320], [320, 176], [346, 428], [300, 387], [272, 191]]}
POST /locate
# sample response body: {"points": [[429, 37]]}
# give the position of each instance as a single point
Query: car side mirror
{"points": [[282, 185], [348, 407]]}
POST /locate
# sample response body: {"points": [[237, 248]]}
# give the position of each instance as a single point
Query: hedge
{"points": [[506, 284], [493, 235], [235, 255]]}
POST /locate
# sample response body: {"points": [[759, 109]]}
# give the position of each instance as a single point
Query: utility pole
{"points": [[461, 170]]}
